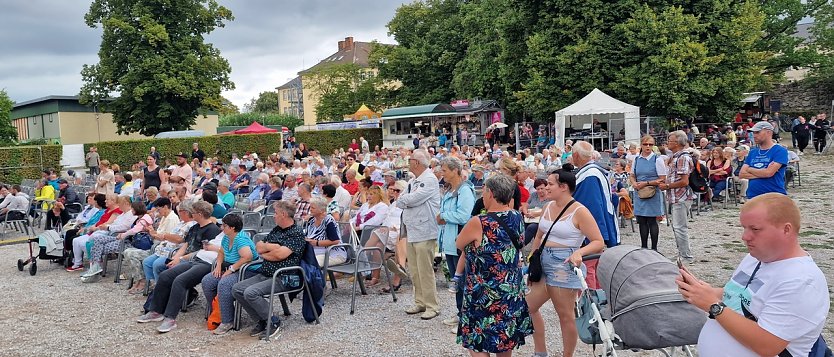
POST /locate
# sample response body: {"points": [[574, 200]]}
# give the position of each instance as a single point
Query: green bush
{"points": [[127, 152], [27, 162], [325, 141], [244, 119]]}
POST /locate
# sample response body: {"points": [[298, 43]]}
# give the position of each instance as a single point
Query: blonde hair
{"points": [[780, 209], [379, 193], [508, 164]]}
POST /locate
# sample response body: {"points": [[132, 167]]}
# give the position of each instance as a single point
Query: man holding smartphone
{"points": [[777, 298]]}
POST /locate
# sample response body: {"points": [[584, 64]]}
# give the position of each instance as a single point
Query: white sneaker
{"points": [[95, 268], [451, 321], [453, 287]]}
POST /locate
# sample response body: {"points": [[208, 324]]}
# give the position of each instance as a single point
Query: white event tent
{"points": [[604, 108]]}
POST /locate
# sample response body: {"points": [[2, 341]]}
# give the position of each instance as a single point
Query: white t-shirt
{"points": [[788, 297]]}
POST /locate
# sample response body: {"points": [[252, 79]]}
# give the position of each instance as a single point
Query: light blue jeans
{"points": [[153, 265]]}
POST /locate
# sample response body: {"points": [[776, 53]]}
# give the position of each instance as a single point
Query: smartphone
{"points": [[680, 264]]}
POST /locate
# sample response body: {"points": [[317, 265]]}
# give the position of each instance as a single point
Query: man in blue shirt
{"points": [[765, 165]]}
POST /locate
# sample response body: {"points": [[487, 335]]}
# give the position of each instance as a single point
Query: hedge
{"points": [[325, 141], [127, 152], [24, 162]]}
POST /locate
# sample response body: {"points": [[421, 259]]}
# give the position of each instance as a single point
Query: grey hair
{"points": [[452, 164], [286, 206], [335, 180], [680, 137], [224, 183], [305, 186], [263, 177], [729, 150], [502, 187], [186, 206], [583, 149], [319, 202], [203, 208], [422, 156]]}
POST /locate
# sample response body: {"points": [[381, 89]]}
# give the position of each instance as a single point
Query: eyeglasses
{"points": [[648, 144], [395, 190]]}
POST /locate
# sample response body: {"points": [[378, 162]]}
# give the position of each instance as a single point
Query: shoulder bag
{"points": [[534, 270]]}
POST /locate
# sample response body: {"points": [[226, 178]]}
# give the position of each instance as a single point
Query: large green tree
{"points": [[8, 133], [431, 44], [156, 72]]}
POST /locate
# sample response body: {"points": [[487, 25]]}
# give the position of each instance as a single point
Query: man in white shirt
{"points": [[342, 195], [777, 298], [16, 202]]}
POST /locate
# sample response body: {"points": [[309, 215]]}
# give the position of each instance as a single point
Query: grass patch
{"points": [[727, 267], [817, 246], [808, 233]]}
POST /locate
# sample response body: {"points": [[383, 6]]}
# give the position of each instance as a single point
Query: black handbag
{"points": [[142, 240], [534, 267]]}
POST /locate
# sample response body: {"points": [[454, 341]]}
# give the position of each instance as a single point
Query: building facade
{"points": [[291, 98], [62, 119]]}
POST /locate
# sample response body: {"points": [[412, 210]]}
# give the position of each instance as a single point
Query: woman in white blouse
{"points": [[374, 210]]}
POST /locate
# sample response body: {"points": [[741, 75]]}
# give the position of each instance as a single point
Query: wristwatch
{"points": [[716, 309], [232, 268]]}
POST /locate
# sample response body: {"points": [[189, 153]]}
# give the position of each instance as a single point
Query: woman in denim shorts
{"points": [[564, 226]]}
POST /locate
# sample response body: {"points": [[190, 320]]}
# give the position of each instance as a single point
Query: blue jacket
{"points": [[594, 192], [456, 210]]}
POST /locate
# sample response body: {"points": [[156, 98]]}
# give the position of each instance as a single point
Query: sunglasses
{"points": [[648, 144]]}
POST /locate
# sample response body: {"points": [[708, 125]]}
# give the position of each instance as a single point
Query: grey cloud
{"points": [[45, 42]]}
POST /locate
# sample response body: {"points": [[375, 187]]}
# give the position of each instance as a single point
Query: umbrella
{"points": [[497, 125]]}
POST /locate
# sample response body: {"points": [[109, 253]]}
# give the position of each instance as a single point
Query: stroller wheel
{"points": [[20, 264], [33, 269]]}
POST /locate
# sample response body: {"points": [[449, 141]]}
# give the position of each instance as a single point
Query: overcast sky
{"points": [[44, 43]]}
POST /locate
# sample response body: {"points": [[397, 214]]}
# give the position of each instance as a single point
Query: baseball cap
{"points": [[390, 173], [181, 155], [762, 125]]}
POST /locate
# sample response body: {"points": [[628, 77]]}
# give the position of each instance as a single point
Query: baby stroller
{"points": [[49, 243], [639, 306]]}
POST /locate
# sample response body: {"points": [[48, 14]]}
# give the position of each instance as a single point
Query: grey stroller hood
{"points": [[646, 308]]}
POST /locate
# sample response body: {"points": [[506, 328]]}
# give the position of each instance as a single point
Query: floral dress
{"points": [[494, 317]]}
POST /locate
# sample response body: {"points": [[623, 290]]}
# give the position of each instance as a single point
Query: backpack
{"points": [[699, 177]]}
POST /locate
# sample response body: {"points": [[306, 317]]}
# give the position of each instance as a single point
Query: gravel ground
{"points": [[98, 319]]}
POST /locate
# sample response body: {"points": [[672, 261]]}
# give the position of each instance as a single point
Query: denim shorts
{"points": [[557, 272]]}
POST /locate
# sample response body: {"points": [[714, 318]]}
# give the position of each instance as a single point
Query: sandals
{"points": [[372, 282], [386, 290]]}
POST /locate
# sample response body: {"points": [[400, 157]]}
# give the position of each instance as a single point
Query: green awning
{"points": [[417, 111]]}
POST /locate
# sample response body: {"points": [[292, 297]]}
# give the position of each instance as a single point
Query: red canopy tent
{"points": [[254, 128]]}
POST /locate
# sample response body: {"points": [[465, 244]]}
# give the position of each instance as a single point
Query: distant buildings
{"points": [[297, 97], [64, 120]]}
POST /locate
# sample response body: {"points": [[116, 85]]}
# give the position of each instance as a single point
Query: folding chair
{"points": [[251, 220], [266, 225], [359, 260]]}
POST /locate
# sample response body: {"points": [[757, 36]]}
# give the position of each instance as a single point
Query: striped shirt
{"points": [[231, 252]]}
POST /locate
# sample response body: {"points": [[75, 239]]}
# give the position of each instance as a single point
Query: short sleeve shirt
{"points": [[760, 159], [680, 166], [292, 238]]}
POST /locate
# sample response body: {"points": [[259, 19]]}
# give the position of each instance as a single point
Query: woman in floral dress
{"points": [[494, 316]]}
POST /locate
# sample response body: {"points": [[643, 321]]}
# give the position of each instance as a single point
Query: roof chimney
{"points": [[341, 45], [348, 43]]}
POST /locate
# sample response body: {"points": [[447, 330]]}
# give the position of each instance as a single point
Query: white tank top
{"points": [[564, 232]]}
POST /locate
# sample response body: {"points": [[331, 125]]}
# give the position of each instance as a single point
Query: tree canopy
{"points": [[8, 133], [156, 72], [671, 58]]}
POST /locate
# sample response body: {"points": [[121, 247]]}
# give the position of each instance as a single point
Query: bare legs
{"points": [[564, 301]]}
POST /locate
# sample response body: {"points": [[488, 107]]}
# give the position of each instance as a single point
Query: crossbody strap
{"points": [[513, 234], [547, 235]]}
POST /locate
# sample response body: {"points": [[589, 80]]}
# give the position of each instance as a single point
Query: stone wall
{"points": [[802, 98]]}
